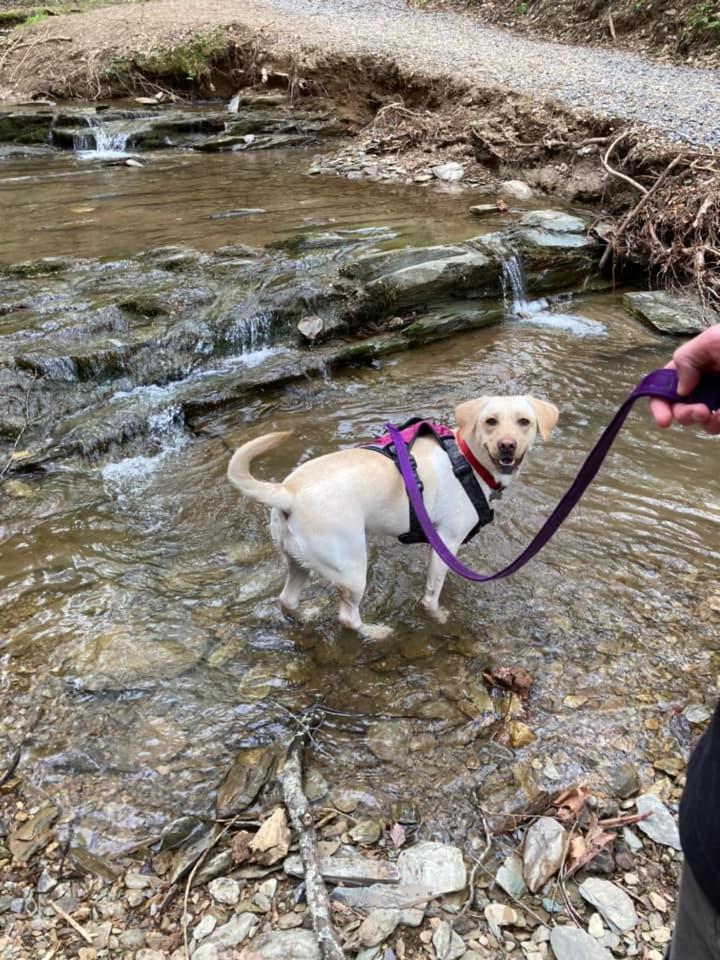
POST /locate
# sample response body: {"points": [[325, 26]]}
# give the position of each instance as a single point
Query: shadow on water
{"points": [[138, 594]]}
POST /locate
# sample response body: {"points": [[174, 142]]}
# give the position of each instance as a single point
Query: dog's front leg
{"points": [[437, 571]]}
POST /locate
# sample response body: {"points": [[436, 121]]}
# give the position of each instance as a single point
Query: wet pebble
{"points": [[225, 890]]}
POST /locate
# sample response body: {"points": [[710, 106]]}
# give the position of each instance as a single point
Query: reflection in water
{"points": [[138, 596]]}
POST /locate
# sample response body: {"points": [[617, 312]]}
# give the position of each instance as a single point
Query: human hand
{"points": [[697, 356]]}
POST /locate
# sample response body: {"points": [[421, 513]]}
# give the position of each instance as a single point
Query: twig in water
{"points": [[301, 817]]}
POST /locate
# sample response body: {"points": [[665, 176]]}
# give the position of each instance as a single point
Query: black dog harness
{"points": [[410, 431]]}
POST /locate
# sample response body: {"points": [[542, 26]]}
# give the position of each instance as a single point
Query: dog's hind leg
{"points": [[294, 582]]}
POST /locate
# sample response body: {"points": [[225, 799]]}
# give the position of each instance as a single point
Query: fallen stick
{"points": [[73, 923], [301, 818]]}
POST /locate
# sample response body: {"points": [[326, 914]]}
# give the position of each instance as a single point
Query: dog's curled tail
{"points": [[238, 472]]}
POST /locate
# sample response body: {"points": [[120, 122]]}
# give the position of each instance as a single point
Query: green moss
{"points": [[190, 61]]}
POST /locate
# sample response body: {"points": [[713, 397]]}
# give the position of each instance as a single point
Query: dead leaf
{"points": [[272, 841], [241, 846], [515, 679], [584, 849], [502, 206], [570, 803], [397, 835]]}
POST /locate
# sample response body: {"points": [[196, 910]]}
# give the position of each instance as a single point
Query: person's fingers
{"points": [[689, 413], [688, 375], [661, 411], [712, 426]]}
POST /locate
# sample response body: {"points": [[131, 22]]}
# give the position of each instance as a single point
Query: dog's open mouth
{"points": [[507, 464]]}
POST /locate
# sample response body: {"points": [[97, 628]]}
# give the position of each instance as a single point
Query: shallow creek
{"points": [[137, 591]]}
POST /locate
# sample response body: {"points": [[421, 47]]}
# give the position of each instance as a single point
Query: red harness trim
{"points": [[479, 469]]}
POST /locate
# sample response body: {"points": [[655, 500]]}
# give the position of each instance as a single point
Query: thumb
{"points": [[688, 375]]}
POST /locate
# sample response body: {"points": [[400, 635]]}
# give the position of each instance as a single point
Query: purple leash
{"points": [[659, 383]]}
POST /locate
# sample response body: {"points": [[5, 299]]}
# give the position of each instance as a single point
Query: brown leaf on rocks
{"points": [[397, 835], [570, 802], [241, 846], [584, 849], [502, 206], [515, 679], [272, 841]]}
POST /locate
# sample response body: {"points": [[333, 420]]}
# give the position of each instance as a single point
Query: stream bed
{"points": [[141, 645]]}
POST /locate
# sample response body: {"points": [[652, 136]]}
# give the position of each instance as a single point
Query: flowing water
{"points": [[141, 642]]}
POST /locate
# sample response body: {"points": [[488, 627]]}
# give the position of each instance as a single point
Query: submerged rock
{"points": [[448, 944], [671, 313], [119, 660], [510, 877], [377, 926], [436, 867], [249, 772]]}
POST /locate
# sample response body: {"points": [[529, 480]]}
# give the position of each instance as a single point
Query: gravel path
{"points": [[682, 102]]}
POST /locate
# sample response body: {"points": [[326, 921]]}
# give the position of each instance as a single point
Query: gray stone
{"points": [[378, 926], [510, 877], [347, 869], [671, 313], [283, 945], [632, 839], [624, 780], [132, 939], [205, 927], [449, 172], [516, 190], [660, 826], [543, 852], [696, 713], [206, 951], [470, 273], [484, 209], [225, 890], [435, 867], [238, 928], [448, 945], [571, 943], [375, 265], [554, 220], [611, 902]]}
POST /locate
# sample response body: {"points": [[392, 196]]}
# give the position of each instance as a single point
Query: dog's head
{"points": [[501, 430]]}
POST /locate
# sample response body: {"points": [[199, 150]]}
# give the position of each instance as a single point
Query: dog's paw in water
{"points": [[375, 631], [438, 614]]}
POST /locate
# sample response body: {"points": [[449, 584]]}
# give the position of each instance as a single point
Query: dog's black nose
{"points": [[507, 447]]}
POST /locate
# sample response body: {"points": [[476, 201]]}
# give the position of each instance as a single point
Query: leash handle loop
{"points": [[659, 383]]}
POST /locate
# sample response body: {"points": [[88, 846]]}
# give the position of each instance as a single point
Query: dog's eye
{"points": [[491, 422], [524, 422]]}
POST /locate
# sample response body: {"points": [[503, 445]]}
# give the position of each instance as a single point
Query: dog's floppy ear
{"points": [[466, 415], [547, 416]]}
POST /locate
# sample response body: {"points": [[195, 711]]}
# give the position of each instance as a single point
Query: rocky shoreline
{"points": [[573, 875]]}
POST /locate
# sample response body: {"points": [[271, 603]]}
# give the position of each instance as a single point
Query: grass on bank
{"points": [[189, 61]]}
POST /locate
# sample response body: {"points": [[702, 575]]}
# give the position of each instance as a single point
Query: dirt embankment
{"points": [[687, 30]]}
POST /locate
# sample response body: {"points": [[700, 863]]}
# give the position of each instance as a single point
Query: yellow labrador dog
{"points": [[323, 511]]}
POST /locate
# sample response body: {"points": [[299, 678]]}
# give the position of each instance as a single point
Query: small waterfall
{"points": [[513, 282], [101, 140], [251, 333]]}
